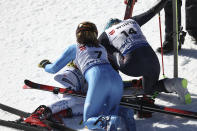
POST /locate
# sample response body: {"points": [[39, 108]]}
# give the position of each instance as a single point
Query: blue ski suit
{"points": [[105, 88]]}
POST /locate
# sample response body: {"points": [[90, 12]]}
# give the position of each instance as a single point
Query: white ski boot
{"points": [[178, 85]]}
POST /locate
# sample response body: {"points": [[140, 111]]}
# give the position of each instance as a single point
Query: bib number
{"points": [[131, 31]]}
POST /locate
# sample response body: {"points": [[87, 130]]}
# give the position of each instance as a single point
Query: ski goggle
{"points": [[112, 22]]}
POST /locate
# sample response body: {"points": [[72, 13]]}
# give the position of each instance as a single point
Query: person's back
{"points": [[89, 56], [126, 36]]}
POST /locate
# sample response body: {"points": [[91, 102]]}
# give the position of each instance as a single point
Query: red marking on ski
{"points": [[26, 87]]}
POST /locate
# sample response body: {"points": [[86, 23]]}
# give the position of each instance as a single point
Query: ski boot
{"points": [[178, 85], [168, 46], [109, 123], [127, 115], [41, 113]]}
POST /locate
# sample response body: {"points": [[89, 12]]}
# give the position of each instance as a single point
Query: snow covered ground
{"points": [[33, 30]]}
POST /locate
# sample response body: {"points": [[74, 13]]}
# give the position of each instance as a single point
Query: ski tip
{"points": [[125, 2], [26, 87], [26, 81]]}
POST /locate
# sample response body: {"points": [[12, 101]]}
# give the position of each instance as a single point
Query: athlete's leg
{"points": [[142, 62], [97, 108]]}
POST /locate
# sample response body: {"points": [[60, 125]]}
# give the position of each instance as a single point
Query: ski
{"points": [[32, 85], [14, 111], [140, 104], [131, 84], [19, 124], [137, 103], [129, 8]]}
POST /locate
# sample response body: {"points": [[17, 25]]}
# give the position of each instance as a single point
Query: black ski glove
{"points": [[43, 63]]}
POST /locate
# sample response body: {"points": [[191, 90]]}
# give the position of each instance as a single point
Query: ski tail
{"points": [[129, 8], [14, 111], [20, 126]]}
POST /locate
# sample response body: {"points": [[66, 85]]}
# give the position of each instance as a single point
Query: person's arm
{"points": [[103, 40], [143, 18], [68, 55], [111, 50]]}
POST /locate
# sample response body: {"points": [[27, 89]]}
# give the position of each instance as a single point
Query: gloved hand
{"points": [[43, 63]]}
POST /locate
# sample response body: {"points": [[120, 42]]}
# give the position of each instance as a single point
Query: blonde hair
{"points": [[87, 34]]}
